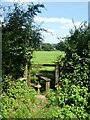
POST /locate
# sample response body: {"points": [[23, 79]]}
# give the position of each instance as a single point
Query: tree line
{"points": [[52, 47]]}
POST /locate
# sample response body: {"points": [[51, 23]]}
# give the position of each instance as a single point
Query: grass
{"points": [[45, 57]]}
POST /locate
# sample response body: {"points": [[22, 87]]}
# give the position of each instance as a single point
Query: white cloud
{"points": [[59, 27], [70, 25], [49, 37], [65, 0], [41, 19], [63, 22], [44, 1], [0, 25], [51, 30], [20, 1]]}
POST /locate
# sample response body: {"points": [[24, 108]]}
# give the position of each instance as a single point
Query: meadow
{"points": [[45, 57]]}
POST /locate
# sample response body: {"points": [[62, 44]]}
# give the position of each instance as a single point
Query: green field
{"points": [[46, 57]]}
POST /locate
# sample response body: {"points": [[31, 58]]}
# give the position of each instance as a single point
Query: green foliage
{"points": [[76, 64], [71, 99], [18, 101], [72, 95], [19, 38], [47, 47], [67, 102], [61, 45]]}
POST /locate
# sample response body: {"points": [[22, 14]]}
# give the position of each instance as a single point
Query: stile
{"points": [[47, 80]]}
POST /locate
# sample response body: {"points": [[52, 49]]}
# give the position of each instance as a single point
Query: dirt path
{"points": [[41, 103]]}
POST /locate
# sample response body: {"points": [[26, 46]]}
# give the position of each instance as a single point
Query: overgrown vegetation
{"points": [[18, 101], [71, 99], [72, 96], [20, 37], [76, 64]]}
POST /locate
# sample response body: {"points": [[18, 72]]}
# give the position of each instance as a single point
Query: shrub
{"points": [[18, 101], [69, 101], [71, 98]]}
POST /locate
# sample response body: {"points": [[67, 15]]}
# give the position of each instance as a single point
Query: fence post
{"points": [[47, 85], [57, 73], [26, 71]]}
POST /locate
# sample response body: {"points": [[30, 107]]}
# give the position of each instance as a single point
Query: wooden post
{"points": [[28, 75], [26, 71], [57, 73], [47, 81], [38, 86], [47, 85]]}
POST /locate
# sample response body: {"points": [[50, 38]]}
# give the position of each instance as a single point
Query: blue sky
{"points": [[57, 19]]}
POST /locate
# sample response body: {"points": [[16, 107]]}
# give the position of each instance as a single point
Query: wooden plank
{"points": [[22, 79], [44, 78], [48, 65]]}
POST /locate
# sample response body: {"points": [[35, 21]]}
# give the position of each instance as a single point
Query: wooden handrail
{"points": [[50, 65], [43, 78], [47, 80]]}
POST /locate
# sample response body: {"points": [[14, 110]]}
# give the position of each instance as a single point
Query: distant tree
{"points": [[47, 47], [61, 45], [20, 37]]}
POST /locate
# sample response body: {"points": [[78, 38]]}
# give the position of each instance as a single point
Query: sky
{"points": [[57, 17]]}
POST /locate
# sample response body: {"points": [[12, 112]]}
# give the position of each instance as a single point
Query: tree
{"points": [[20, 36], [71, 99], [47, 47], [61, 46], [75, 67], [76, 64]]}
